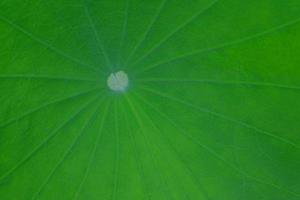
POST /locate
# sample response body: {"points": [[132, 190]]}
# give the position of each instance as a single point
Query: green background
{"points": [[212, 110]]}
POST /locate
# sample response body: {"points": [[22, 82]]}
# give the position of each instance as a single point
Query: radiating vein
{"points": [[93, 152], [44, 77], [68, 151], [97, 37], [218, 82], [201, 188], [124, 30], [50, 136], [222, 116], [221, 46], [157, 146], [136, 157], [117, 152], [46, 44], [194, 17], [45, 105], [141, 125], [144, 36], [216, 154]]}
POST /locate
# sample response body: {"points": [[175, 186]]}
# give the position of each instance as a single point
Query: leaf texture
{"points": [[209, 110]]}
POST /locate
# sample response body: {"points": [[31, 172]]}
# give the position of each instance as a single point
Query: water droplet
{"points": [[118, 81]]}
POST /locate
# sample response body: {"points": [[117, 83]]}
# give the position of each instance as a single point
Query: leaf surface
{"points": [[211, 110]]}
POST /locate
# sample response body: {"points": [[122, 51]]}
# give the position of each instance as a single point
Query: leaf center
{"points": [[118, 81]]}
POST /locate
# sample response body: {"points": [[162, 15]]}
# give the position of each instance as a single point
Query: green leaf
{"points": [[160, 99]]}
